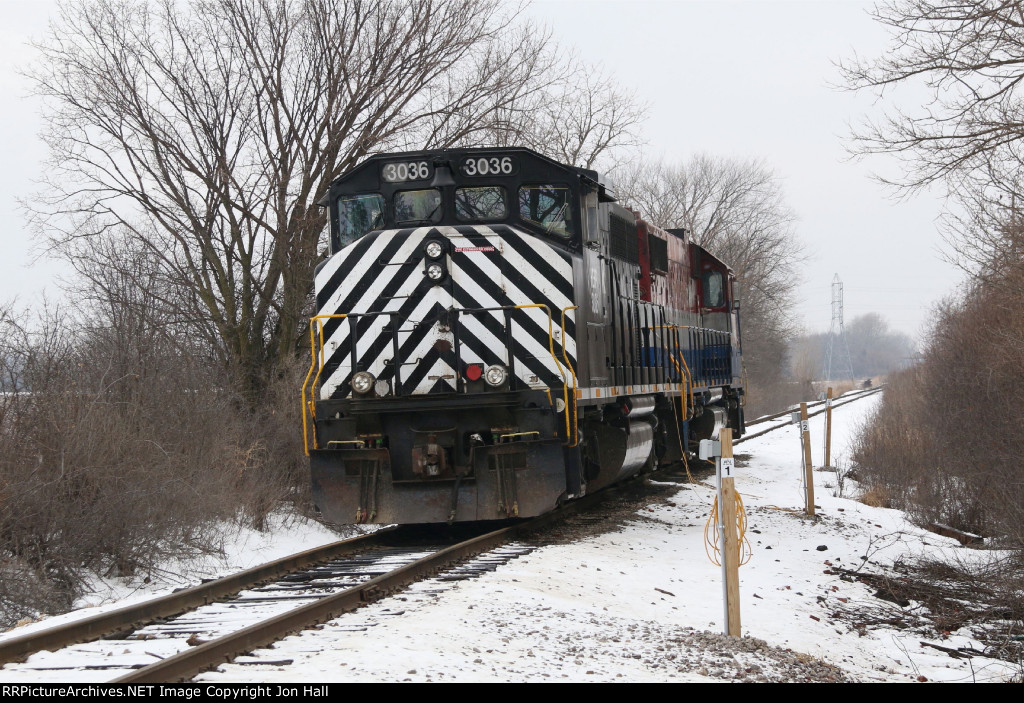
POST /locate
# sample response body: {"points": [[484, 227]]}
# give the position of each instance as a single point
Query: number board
{"points": [[402, 171], [488, 166], [728, 464]]}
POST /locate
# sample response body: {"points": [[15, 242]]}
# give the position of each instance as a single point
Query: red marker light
{"points": [[474, 372]]}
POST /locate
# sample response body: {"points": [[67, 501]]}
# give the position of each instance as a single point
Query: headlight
{"points": [[495, 375], [434, 250], [362, 382], [435, 272]]}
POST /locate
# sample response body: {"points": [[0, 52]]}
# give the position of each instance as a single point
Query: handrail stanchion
{"points": [[316, 331], [561, 371], [575, 410]]}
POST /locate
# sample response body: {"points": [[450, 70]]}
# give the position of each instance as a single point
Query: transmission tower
{"points": [[837, 337]]}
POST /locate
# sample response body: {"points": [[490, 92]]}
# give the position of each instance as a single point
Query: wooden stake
{"points": [[808, 466], [730, 540], [828, 428]]}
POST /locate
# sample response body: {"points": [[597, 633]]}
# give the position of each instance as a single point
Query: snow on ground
{"points": [[643, 603], [243, 549]]}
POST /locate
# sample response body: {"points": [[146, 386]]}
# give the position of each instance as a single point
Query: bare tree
{"points": [[970, 55], [968, 136], [920, 449], [207, 131], [585, 117], [874, 347]]}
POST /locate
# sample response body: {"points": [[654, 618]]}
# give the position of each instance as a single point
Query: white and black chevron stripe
{"points": [[402, 323]]}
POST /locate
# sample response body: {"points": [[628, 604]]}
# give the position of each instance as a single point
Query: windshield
{"points": [[357, 215], [486, 203], [547, 206], [418, 206]]}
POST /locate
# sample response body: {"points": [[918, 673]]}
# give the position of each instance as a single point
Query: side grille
{"points": [[622, 239], [659, 253]]}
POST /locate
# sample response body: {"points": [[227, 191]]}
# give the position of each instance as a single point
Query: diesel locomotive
{"points": [[495, 334]]}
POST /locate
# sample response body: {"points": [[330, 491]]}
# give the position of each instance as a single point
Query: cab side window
{"points": [[714, 294], [359, 214], [547, 206]]}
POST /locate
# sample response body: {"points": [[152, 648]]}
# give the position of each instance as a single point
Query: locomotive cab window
{"points": [[714, 295], [418, 206], [485, 203], [547, 206], [359, 214]]}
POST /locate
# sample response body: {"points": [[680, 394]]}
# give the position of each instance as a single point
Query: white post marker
{"points": [[828, 428], [808, 465], [728, 540]]}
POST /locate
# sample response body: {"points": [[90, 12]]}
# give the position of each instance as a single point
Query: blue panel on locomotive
{"points": [[495, 334]]}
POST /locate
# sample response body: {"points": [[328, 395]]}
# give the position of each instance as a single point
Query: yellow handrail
{"points": [[575, 383], [688, 377], [309, 407], [689, 383], [519, 434], [561, 371], [316, 333]]}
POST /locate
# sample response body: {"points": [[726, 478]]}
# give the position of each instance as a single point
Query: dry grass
{"points": [[876, 497]]}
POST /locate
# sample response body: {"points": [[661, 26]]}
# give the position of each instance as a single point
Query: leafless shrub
{"points": [[123, 444], [272, 468], [947, 439], [107, 463], [842, 469], [876, 497]]}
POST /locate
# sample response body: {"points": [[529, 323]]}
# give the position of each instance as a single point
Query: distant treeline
{"points": [[874, 350]]}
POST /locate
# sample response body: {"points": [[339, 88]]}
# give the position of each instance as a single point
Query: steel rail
{"points": [[835, 405], [853, 396], [130, 617], [187, 664]]}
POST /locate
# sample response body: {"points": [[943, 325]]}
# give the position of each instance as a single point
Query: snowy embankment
{"points": [[644, 603]]}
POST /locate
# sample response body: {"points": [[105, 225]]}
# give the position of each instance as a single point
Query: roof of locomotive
{"points": [[685, 234], [705, 254], [364, 176]]}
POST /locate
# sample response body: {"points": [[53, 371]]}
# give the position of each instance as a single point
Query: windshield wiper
{"points": [[428, 220], [557, 218]]}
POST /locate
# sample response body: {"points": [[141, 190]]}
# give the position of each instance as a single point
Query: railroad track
{"points": [[175, 637], [178, 636], [842, 400]]}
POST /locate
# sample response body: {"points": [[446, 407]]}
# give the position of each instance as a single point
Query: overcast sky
{"points": [[741, 79]]}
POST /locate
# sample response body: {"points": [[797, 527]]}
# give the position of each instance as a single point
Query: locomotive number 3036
{"points": [[488, 166], [412, 171]]}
